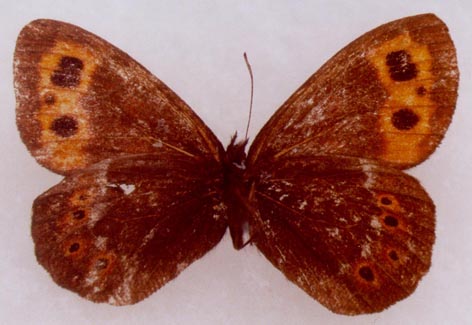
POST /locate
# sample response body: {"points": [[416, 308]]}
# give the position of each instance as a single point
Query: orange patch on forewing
{"points": [[405, 132], [61, 146]]}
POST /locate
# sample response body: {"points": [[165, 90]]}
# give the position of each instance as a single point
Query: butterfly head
{"points": [[236, 153]]}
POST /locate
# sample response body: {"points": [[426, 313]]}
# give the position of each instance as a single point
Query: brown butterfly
{"points": [[149, 189]]}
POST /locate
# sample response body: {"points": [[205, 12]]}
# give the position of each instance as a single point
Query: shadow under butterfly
{"points": [[148, 188]]}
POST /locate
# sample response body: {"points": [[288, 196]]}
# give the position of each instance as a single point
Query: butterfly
{"points": [[148, 188]]}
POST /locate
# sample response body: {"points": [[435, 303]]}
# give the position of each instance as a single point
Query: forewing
{"points": [[389, 95], [121, 229], [81, 100], [354, 235]]}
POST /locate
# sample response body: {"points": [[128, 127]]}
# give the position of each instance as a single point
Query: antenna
{"points": [[252, 93]]}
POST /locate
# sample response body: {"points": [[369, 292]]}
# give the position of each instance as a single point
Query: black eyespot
{"points": [[405, 119], [421, 91], [78, 214], [67, 74], [385, 201], [74, 247], [366, 273], [400, 66], [65, 126], [49, 98], [391, 221], [393, 255]]}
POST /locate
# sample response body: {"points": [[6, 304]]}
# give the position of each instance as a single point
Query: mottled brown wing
{"points": [[122, 228], [355, 235], [81, 100], [389, 95]]}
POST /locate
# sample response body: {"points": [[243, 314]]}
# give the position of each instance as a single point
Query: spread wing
{"points": [[355, 235], [332, 210], [142, 196], [119, 230], [81, 100], [389, 95]]}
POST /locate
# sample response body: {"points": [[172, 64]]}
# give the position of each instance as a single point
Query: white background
{"points": [[196, 48]]}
